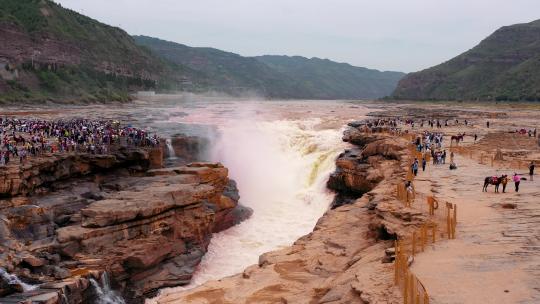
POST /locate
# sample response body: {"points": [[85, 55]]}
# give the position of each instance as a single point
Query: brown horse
{"points": [[492, 180], [457, 138]]}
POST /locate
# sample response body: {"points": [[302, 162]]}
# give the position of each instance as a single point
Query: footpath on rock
{"points": [[495, 257]]}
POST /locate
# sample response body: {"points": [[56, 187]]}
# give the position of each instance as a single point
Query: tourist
{"points": [[487, 124], [22, 156], [410, 191], [531, 170], [415, 167], [475, 137], [517, 180], [444, 157], [424, 164], [24, 138]]}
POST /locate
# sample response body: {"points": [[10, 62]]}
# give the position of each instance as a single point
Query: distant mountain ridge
{"points": [[504, 66], [328, 79], [49, 53], [223, 71], [278, 76]]}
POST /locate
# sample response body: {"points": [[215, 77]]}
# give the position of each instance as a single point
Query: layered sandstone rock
{"points": [[341, 261], [147, 229], [22, 180], [360, 169]]}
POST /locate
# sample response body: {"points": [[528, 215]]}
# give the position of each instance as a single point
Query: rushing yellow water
{"points": [[281, 157]]}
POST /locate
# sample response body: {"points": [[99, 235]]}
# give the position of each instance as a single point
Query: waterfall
{"points": [[281, 167], [64, 297], [170, 149], [281, 157], [14, 280], [105, 294]]}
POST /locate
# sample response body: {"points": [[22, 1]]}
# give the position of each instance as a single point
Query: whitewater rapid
{"points": [[281, 167]]}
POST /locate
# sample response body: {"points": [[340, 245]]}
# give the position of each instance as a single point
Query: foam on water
{"points": [[105, 294], [13, 279], [281, 168], [170, 149]]}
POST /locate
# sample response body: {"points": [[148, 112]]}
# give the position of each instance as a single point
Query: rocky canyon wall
{"points": [[346, 257], [68, 219]]}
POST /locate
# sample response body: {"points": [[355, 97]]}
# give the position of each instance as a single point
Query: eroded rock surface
{"points": [[68, 219]]}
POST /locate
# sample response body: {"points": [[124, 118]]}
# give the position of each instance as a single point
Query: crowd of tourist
{"points": [[429, 141], [23, 138], [432, 142]]}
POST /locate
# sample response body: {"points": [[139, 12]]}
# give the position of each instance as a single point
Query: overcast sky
{"points": [[400, 35]]}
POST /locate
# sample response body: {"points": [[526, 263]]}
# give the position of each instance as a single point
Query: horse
{"points": [[504, 182], [492, 180], [457, 138]]}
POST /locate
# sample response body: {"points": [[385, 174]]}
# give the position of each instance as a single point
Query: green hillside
{"points": [[224, 71], [328, 79], [48, 52], [504, 66], [277, 76]]}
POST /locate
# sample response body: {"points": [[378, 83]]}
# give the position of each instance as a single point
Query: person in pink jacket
{"points": [[516, 179]]}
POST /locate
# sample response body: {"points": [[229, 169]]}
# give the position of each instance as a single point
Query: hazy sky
{"points": [[402, 35]]}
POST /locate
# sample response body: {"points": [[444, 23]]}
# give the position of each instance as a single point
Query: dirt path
{"points": [[496, 256]]}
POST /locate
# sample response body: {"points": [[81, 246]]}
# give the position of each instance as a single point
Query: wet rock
{"points": [[62, 220], [54, 258], [188, 149], [354, 176], [60, 273], [231, 191], [174, 272], [92, 195], [7, 288], [33, 261], [227, 218]]}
